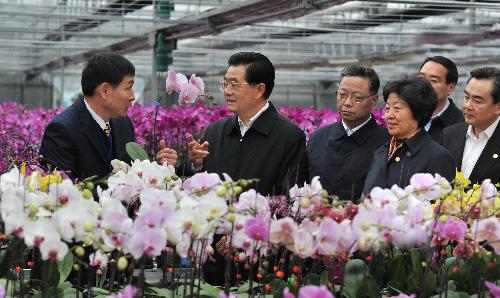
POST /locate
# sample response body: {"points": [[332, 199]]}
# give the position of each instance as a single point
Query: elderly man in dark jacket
{"points": [[341, 152], [256, 142]]}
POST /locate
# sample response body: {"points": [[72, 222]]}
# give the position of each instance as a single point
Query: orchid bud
{"points": [[33, 209], [89, 185], [122, 263], [87, 241], [231, 217], [443, 218], [174, 177], [221, 190], [323, 193], [79, 251], [76, 267], [88, 226], [242, 257], [87, 194], [237, 189]]}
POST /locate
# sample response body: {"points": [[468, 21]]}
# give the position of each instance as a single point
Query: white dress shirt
{"points": [[350, 131], [97, 118], [475, 146], [245, 127]]}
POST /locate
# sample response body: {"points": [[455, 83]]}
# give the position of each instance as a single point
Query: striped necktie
{"points": [[107, 129]]}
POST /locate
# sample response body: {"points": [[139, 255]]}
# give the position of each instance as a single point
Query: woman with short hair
{"points": [[409, 106]]}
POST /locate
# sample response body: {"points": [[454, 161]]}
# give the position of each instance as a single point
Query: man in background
{"points": [[340, 154], [442, 73]]}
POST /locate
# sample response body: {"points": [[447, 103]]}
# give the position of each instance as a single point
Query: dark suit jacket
{"points": [[342, 161], [270, 150], [488, 164], [420, 154], [73, 141], [451, 116]]}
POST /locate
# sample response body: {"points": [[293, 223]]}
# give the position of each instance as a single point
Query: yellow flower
{"points": [[43, 182], [461, 180]]}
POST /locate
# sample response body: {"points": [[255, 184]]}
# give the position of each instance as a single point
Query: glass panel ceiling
{"points": [[308, 40]]}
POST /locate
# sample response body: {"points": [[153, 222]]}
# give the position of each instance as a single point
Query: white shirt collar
{"points": [[487, 133], [244, 127], [442, 110], [97, 118], [350, 131], [428, 125]]}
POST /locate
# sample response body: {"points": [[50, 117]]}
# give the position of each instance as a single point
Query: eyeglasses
{"points": [[231, 85], [343, 96]]}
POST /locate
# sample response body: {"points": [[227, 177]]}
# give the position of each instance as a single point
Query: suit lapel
{"points": [[89, 129], [488, 158]]}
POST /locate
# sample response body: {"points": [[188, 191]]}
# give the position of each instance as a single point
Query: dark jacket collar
{"points": [[91, 129], [415, 143], [452, 114], [263, 124]]}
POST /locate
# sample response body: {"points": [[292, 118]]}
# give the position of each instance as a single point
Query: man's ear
{"points": [[451, 88], [261, 89], [103, 89], [374, 100]]}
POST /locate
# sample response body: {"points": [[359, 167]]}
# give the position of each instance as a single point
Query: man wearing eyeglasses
{"points": [[340, 154], [257, 141], [442, 73]]}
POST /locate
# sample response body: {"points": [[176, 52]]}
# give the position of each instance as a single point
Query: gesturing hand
{"points": [[166, 154], [196, 151]]}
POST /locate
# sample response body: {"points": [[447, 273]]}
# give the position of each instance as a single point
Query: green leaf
{"points": [[277, 287], [95, 290], [430, 284], [323, 280], [70, 292], [416, 261], [50, 292], [398, 272], [209, 290], [312, 279], [354, 277], [244, 288], [64, 267], [162, 292], [135, 151], [53, 273]]}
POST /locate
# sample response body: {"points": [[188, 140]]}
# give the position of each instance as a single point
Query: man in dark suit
{"points": [[442, 73], [475, 144], [84, 138], [256, 142], [340, 154]]}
